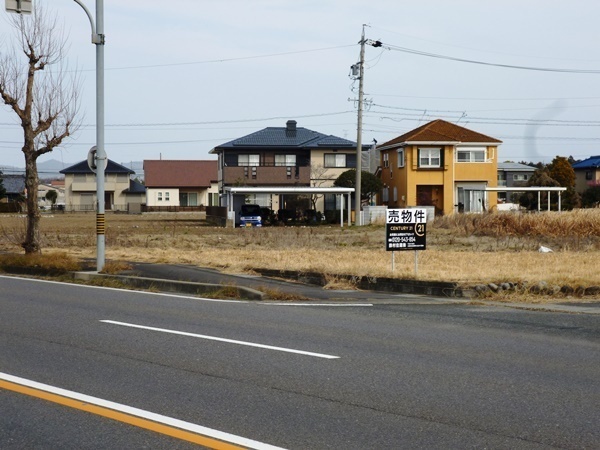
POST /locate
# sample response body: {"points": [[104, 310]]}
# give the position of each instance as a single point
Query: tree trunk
{"points": [[31, 243]]}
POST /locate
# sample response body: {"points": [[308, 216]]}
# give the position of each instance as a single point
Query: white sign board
{"points": [[405, 229]]}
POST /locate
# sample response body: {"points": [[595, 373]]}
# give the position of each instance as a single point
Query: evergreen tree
{"points": [[370, 185], [561, 170]]}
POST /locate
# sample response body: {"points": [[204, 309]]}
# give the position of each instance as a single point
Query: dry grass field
{"points": [[469, 249]]}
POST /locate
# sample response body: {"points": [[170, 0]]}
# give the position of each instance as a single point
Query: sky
{"points": [[183, 77]]}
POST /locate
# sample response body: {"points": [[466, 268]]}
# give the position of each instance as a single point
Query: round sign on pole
{"points": [[91, 159]]}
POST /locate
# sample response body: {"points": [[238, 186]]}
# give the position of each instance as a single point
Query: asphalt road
{"points": [[304, 377]]}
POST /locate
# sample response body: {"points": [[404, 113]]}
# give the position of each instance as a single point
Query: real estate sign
{"points": [[405, 229]]}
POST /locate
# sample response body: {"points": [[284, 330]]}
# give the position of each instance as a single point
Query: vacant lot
{"points": [[464, 248]]}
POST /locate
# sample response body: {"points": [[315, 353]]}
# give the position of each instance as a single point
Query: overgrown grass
{"points": [[465, 248], [52, 263]]}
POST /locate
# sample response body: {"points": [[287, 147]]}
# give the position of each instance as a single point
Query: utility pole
{"points": [[100, 155], [357, 187]]}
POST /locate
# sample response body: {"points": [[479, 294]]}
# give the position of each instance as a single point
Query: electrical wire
{"points": [[484, 63]]}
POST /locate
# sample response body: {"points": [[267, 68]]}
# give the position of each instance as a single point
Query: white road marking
{"points": [[336, 305], [230, 341], [170, 421], [131, 291]]}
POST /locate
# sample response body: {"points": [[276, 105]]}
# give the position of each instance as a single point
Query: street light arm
{"points": [[96, 38]]}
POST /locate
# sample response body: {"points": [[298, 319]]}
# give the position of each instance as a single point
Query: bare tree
{"points": [[35, 84], [318, 178]]}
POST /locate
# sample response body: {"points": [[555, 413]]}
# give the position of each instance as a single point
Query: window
{"points": [[520, 177], [589, 175], [159, 196], [401, 157], [471, 154], [386, 161], [285, 160], [341, 160], [248, 160], [430, 157], [188, 199], [167, 196]]}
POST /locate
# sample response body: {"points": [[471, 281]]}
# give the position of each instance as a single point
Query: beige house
{"points": [[587, 173], [121, 193], [180, 184], [43, 189]]}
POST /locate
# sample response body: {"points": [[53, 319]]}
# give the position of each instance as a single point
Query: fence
{"points": [[217, 215]]}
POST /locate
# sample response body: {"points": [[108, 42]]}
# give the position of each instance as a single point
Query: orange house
{"points": [[440, 164]]}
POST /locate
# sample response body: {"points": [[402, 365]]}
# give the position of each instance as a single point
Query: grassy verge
{"points": [[466, 249]]}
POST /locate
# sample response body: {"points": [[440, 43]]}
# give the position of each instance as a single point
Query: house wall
{"points": [[43, 190], [162, 197], [80, 191], [321, 176], [582, 182]]}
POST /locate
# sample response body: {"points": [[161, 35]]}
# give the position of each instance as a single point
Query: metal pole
{"points": [[357, 196], [100, 152], [98, 40], [342, 209], [559, 195], [416, 263]]}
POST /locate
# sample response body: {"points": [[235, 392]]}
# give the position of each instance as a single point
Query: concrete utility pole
{"points": [[100, 156], [357, 187]]}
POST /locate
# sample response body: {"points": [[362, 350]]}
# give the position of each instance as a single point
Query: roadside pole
{"points": [[100, 156]]}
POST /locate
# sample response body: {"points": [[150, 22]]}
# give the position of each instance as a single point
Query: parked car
{"points": [[250, 216]]}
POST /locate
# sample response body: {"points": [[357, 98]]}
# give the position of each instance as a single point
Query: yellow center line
{"points": [[121, 417]]}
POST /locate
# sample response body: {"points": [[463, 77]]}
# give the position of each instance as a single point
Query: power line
{"points": [[222, 60], [484, 63]]}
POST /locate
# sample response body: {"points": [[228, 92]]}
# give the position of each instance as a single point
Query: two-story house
{"points": [[180, 184], [512, 175], [289, 156], [120, 191], [440, 164], [587, 173]]}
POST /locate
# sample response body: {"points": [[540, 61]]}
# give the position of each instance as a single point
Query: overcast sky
{"points": [[185, 76]]}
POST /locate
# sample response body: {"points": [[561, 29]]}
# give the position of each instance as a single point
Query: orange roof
{"points": [[179, 173], [442, 131]]}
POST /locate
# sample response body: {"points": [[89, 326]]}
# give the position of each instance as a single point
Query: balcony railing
{"points": [[265, 175]]}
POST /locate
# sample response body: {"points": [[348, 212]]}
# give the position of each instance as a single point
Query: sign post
{"points": [[406, 230]]}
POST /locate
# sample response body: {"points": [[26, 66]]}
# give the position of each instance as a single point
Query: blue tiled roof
{"points": [[515, 167], [111, 167], [135, 188], [282, 137], [592, 162], [14, 184]]}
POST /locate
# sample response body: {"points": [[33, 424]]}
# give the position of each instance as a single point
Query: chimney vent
{"points": [[290, 128]]}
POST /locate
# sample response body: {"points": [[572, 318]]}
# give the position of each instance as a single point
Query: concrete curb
{"points": [[380, 284], [185, 287]]}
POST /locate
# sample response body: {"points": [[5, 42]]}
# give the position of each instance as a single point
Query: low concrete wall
{"points": [[397, 285], [172, 286]]}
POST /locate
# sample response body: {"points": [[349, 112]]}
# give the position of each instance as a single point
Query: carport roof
{"points": [[288, 190]]}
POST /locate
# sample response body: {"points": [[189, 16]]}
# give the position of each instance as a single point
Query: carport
{"points": [[230, 191], [538, 189]]}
